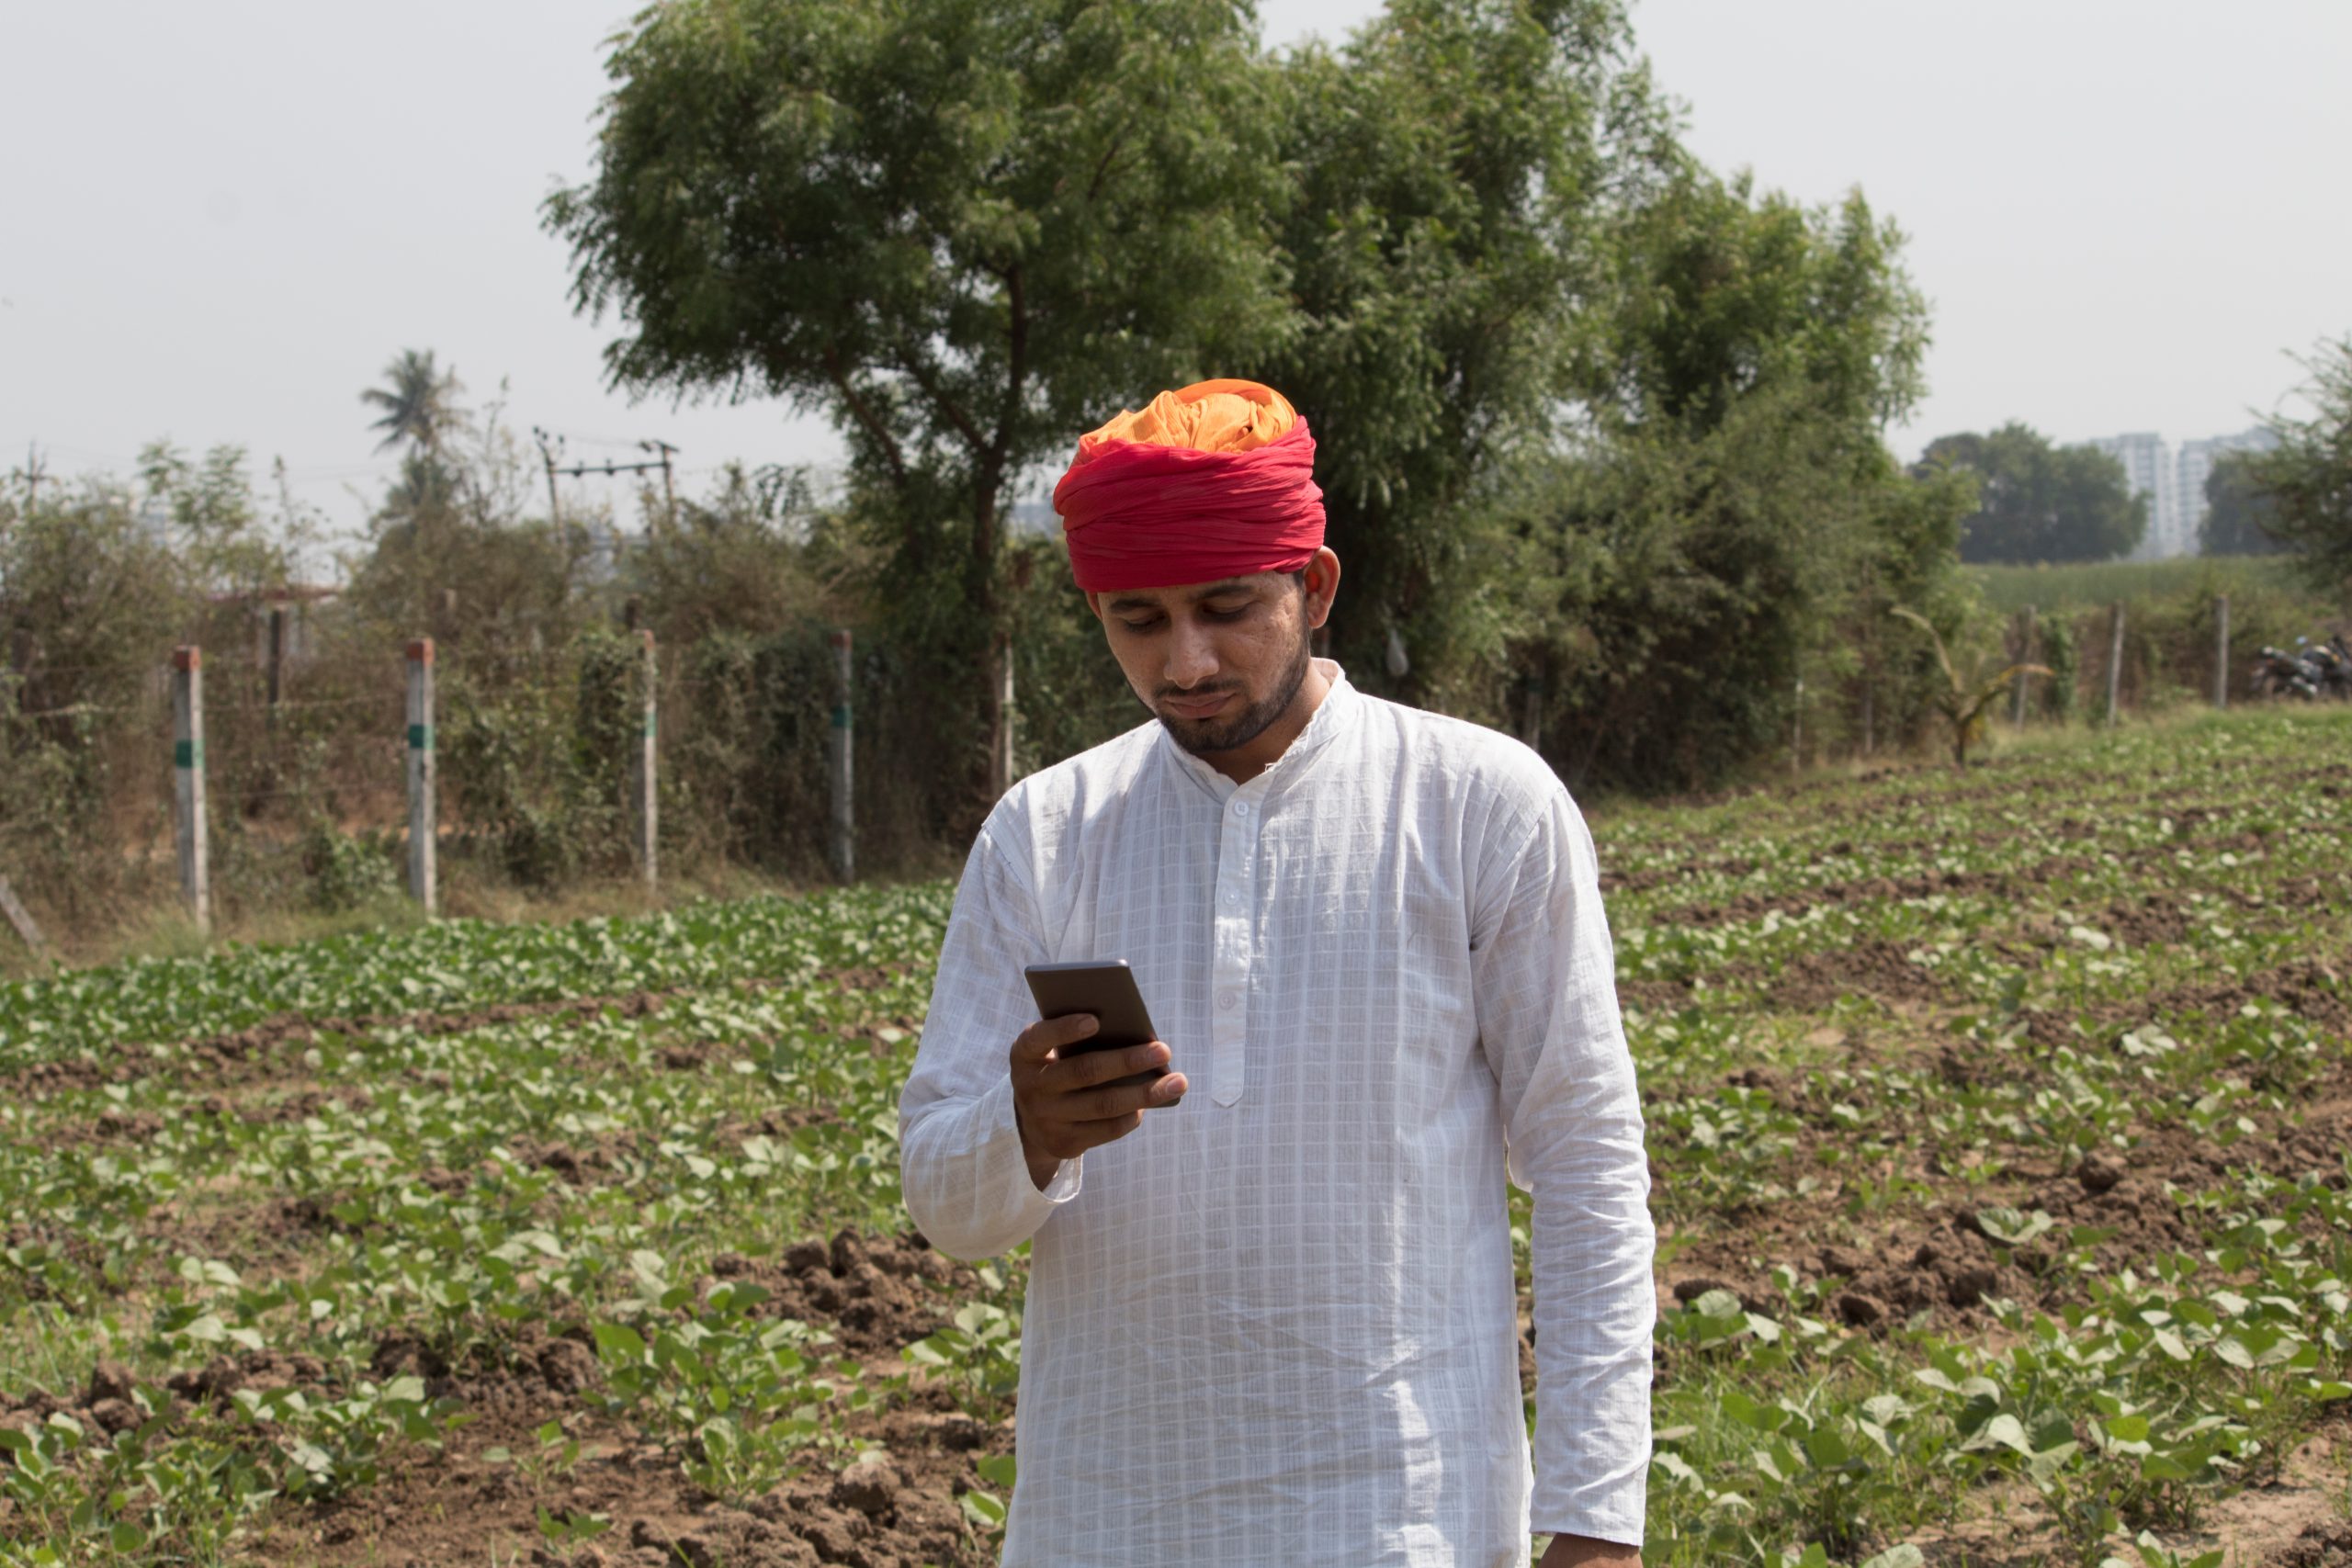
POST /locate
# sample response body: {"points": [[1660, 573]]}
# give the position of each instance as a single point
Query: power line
{"points": [[551, 445]]}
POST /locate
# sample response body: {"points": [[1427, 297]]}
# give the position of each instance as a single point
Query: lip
{"points": [[1196, 707]]}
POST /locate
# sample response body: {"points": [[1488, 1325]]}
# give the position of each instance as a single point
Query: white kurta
{"points": [[1275, 1326]]}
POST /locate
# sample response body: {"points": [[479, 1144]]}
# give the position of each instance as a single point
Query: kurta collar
{"points": [[1332, 717]]}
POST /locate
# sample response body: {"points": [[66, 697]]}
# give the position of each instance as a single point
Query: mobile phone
{"points": [[1105, 987]]}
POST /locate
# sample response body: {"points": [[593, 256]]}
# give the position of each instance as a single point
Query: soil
{"points": [[1812, 982], [876, 1294], [2327, 1544]]}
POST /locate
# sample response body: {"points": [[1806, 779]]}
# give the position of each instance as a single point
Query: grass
{"points": [[1998, 1118], [2090, 584]]}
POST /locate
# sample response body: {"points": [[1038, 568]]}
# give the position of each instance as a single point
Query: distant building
{"points": [[2149, 471], [2196, 464], [2174, 481]]}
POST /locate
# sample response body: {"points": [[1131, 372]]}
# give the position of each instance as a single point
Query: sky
{"points": [[223, 219]]}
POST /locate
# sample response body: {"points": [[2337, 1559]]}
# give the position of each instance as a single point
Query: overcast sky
{"points": [[222, 218]]}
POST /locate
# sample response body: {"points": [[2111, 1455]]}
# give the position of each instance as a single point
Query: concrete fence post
{"points": [[645, 762], [844, 818], [18, 917], [2221, 651], [1796, 731], [277, 671], [2114, 661], [424, 828], [187, 784]]}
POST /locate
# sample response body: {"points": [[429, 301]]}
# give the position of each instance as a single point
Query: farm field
{"points": [[1999, 1128], [2091, 584]]}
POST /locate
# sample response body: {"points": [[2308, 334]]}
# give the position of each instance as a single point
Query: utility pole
{"points": [[669, 490], [33, 474], [549, 447]]}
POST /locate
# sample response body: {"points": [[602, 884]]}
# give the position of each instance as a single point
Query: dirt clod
{"points": [[1858, 1311], [871, 1486], [1971, 1285], [2098, 1175], [2327, 1544]]}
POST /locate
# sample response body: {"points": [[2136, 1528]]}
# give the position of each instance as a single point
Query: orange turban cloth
{"points": [[1210, 481]]}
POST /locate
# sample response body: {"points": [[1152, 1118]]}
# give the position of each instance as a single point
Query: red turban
{"points": [[1211, 481]]}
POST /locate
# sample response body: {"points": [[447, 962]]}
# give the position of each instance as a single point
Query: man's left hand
{"points": [[1574, 1550]]}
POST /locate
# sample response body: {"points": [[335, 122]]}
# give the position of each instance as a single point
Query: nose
{"points": [[1191, 659]]}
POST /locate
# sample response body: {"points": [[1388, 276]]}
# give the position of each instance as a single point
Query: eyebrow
{"points": [[1194, 596]]}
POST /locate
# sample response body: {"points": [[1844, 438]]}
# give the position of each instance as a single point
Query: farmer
{"points": [[1270, 1319]]}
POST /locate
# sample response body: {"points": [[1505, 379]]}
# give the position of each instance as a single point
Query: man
{"points": [[1270, 1318]]}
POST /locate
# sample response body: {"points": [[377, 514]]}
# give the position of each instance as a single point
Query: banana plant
{"points": [[1966, 698]]}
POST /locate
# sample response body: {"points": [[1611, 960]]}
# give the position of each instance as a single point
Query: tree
{"points": [[420, 403], [1726, 515], [965, 229], [2040, 502], [1456, 164], [2238, 515], [2308, 477]]}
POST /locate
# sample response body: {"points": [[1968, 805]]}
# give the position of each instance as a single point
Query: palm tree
{"points": [[420, 403]]}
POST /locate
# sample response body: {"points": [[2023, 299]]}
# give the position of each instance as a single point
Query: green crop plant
{"points": [[2027, 1013]]}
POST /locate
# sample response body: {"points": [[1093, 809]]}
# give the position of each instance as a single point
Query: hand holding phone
{"points": [[1085, 1073]]}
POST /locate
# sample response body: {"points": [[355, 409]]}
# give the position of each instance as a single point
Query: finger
{"points": [[1102, 1104], [1070, 1074], [1034, 1043], [1167, 1090]]}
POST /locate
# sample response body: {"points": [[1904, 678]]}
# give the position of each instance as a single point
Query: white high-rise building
{"points": [[2149, 471], [2174, 481], [2194, 465]]}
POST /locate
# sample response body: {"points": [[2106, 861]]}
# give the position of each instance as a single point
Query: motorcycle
{"points": [[2278, 673], [2330, 666]]}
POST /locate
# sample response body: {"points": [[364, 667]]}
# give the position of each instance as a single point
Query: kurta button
{"points": [[1225, 1001], [1241, 808]]}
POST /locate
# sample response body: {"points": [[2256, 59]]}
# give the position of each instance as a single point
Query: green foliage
{"points": [[419, 404], [737, 1397], [1452, 170], [965, 190], [2087, 585], [1731, 518], [618, 1175], [2238, 515], [2040, 502], [1965, 697], [2307, 479], [348, 871]]}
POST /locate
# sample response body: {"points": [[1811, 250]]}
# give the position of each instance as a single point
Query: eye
{"points": [[1234, 613], [1145, 625]]}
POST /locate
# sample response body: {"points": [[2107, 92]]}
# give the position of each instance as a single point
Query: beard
{"points": [[1206, 737]]}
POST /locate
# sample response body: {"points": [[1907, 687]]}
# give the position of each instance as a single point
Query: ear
{"points": [[1322, 586]]}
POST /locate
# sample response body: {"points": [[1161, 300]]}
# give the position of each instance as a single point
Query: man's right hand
{"points": [[1064, 1106]]}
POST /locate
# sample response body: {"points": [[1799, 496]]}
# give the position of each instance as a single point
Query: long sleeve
{"points": [[966, 1179], [1544, 971]]}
